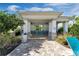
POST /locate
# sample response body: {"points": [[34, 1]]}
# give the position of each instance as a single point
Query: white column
{"points": [[50, 26], [25, 31], [29, 27], [54, 26], [52, 29], [65, 27]]}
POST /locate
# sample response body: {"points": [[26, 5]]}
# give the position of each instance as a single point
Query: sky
{"points": [[68, 9]]}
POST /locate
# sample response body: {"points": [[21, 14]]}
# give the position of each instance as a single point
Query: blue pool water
{"points": [[74, 44]]}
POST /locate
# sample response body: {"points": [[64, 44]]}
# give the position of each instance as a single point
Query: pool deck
{"points": [[41, 48]]}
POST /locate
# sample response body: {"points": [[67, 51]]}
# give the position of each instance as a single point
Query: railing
{"points": [[39, 33]]}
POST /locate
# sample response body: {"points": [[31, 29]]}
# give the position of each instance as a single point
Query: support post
{"points": [[49, 33], [65, 27], [25, 31], [29, 29], [52, 29]]}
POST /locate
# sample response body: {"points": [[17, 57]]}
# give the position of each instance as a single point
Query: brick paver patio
{"points": [[41, 48]]}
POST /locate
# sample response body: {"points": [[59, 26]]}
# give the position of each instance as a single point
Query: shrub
{"points": [[8, 42], [74, 30], [61, 39], [18, 32]]}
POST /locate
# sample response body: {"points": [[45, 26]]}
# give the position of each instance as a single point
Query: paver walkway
{"points": [[41, 48]]}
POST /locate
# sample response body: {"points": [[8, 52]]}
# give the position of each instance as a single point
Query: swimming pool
{"points": [[74, 44]]}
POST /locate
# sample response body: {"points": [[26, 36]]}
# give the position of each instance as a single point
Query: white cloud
{"points": [[12, 7], [39, 9], [57, 4], [67, 8], [75, 10]]}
